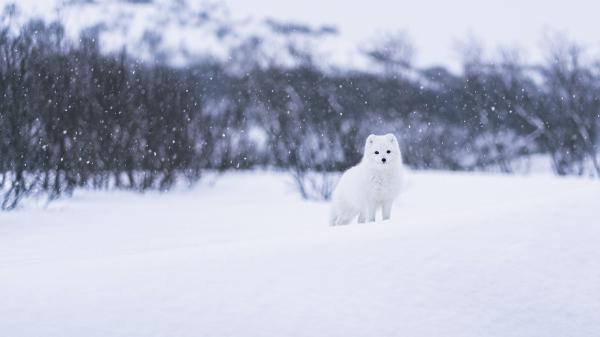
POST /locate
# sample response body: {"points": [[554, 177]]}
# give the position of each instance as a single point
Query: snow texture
{"points": [[465, 255]]}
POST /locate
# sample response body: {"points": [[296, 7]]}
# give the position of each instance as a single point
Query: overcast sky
{"points": [[437, 27]]}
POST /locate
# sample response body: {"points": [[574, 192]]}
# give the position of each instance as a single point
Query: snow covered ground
{"points": [[465, 255]]}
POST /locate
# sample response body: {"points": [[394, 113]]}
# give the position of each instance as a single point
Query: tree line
{"points": [[72, 116]]}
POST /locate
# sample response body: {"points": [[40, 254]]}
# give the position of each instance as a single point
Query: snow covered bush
{"points": [[72, 116]]}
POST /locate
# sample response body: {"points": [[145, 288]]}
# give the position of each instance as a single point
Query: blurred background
{"points": [[145, 94]]}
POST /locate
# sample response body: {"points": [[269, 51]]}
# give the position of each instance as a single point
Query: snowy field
{"points": [[464, 255]]}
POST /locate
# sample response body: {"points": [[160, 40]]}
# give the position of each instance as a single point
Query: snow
{"points": [[464, 255], [183, 31]]}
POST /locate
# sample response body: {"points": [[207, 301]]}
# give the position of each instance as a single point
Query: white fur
{"points": [[371, 184]]}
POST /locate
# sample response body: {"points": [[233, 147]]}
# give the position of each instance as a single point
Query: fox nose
{"points": [[383, 160]]}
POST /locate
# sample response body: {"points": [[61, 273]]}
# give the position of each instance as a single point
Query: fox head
{"points": [[382, 151]]}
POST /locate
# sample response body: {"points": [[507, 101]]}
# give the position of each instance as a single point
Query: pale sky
{"points": [[437, 27]]}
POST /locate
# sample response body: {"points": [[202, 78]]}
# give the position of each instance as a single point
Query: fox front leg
{"points": [[362, 216], [371, 213], [387, 210]]}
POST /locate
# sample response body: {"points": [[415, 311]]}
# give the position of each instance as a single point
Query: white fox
{"points": [[372, 184]]}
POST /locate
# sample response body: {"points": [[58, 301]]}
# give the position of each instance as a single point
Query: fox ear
{"points": [[370, 139], [391, 137]]}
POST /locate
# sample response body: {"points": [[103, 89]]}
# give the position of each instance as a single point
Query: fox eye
{"points": [[388, 151], [376, 152]]}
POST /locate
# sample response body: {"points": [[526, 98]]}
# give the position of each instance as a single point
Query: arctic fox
{"points": [[372, 184]]}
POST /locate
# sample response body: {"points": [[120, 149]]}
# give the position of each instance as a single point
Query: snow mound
{"points": [[464, 255]]}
